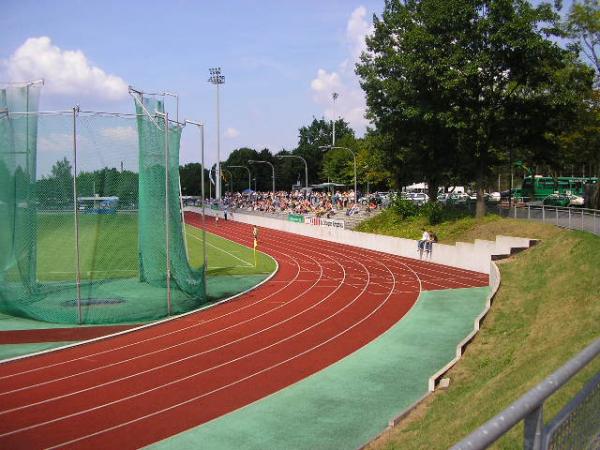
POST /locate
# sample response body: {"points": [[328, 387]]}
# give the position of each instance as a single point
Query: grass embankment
{"points": [[546, 311], [461, 226]]}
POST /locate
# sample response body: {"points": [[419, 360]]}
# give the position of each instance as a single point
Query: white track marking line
{"points": [[219, 248], [88, 271], [226, 363], [361, 293], [179, 330], [173, 346], [234, 382], [192, 356], [162, 349]]}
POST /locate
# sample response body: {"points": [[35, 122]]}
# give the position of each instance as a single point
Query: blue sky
{"points": [[281, 59]]}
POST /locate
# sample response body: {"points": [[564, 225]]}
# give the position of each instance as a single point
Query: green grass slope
{"points": [[546, 311]]}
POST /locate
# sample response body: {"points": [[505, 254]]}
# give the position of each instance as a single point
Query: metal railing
{"points": [[573, 218], [577, 425]]}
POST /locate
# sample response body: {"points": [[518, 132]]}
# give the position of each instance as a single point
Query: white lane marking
{"points": [[190, 400], [194, 355], [159, 336], [220, 249]]}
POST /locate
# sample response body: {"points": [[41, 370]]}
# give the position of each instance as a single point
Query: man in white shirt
{"points": [[421, 243]]}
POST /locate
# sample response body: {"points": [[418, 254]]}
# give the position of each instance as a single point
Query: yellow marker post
{"points": [[255, 236], [255, 245]]}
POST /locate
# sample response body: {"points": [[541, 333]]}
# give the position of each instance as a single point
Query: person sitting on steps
{"points": [[421, 243]]}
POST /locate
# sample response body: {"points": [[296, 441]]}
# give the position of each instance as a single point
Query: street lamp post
{"points": [[255, 161], [249, 175], [329, 147], [217, 79], [305, 166]]}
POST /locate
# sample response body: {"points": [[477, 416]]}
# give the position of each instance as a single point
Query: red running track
{"points": [[130, 390]]}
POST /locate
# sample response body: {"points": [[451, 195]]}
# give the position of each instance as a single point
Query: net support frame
{"points": [[185, 242], [76, 217], [200, 125], [168, 256]]}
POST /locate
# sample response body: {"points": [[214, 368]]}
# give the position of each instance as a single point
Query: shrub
{"points": [[404, 208], [434, 212]]}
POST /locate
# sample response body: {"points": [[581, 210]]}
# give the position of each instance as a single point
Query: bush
{"points": [[404, 208], [434, 212]]}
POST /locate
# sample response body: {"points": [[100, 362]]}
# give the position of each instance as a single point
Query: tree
{"points": [[373, 165], [338, 163], [459, 83], [190, 176], [583, 26], [61, 182], [318, 133]]}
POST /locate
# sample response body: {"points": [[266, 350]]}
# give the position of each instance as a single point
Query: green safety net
{"points": [[118, 236]]}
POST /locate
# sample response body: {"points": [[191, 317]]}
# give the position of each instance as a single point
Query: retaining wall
{"points": [[474, 256]]}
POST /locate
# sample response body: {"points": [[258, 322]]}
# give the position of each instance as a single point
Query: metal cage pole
{"points": [[76, 213], [185, 242], [204, 256], [168, 259]]}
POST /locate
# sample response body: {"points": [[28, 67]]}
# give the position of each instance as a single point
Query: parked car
{"points": [[443, 197], [419, 198], [456, 198], [492, 197], [564, 200]]}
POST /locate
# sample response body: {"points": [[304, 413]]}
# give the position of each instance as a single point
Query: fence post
{"points": [[543, 214], [556, 211], [528, 212], [534, 429], [582, 220], [515, 211]]}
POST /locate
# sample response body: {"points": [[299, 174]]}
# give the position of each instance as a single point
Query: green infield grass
{"points": [[109, 249]]}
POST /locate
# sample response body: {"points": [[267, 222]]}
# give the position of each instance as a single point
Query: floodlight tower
{"points": [[335, 95], [216, 78]]}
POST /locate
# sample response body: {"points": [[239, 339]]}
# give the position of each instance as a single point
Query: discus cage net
{"points": [[91, 221]]}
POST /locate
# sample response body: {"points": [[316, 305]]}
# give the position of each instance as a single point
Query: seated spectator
{"points": [[354, 210]]}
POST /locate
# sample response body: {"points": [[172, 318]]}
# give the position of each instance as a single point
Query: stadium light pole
{"points": [[334, 96], [256, 161], [217, 79], [329, 147], [305, 167], [249, 175]]}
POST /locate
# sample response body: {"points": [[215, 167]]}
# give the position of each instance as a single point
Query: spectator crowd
{"points": [[321, 204]]}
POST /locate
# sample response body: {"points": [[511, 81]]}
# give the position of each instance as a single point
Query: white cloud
{"points": [[357, 30], [231, 133], [350, 104], [64, 71], [56, 143], [120, 134]]}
